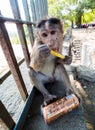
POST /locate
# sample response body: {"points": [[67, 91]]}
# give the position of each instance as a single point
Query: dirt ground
{"points": [[87, 88], [88, 102]]}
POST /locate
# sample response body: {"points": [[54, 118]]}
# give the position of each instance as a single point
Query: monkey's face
{"points": [[51, 35]]}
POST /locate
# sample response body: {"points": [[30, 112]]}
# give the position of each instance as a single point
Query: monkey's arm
{"points": [[68, 58], [36, 62], [39, 55], [38, 79], [67, 46]]}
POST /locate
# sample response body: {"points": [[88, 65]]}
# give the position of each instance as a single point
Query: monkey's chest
{"points": [[48, 68]]}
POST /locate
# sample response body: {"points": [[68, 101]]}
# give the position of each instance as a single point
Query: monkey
{"points": [[44, 67]]}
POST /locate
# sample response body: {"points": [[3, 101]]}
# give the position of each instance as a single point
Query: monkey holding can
{"points": [[44, 67]]}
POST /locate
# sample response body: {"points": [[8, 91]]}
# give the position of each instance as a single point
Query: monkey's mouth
{"points": [[55, 49]]}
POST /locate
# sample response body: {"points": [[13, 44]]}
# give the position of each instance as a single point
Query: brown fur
{"points": [[47, 68]]}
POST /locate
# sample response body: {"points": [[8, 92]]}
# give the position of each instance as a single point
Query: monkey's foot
{"points": [[48, 99], [68, 92], [52, 79]]}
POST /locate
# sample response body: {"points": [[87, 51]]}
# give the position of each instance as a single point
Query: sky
{"points": [[6, 11], [5, 8]]}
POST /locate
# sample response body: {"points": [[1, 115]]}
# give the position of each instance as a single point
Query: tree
{"points": [[82, 8], [71, 10]]}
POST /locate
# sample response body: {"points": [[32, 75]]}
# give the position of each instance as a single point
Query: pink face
{"points": [[51, 36]]}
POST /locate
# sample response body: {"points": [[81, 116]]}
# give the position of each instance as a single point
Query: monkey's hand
{"points": [[43, 51], [39, 55], [67, 60]]}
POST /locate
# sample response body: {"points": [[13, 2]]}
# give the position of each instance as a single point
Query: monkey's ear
{"points": [[37, 32]]}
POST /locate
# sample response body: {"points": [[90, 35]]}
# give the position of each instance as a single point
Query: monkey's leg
{"points": [[61, 75], [39, 79]]}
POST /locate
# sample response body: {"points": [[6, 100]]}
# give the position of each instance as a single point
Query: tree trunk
{"points": [[78, 19]]}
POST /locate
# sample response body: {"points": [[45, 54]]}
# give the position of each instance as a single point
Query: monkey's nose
{"points": [[51, 43]]}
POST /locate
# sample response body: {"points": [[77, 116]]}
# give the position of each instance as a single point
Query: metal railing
{"points": [[9, 53]]}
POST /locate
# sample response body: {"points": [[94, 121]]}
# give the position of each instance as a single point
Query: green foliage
{"points": [[26, 34], [15, 39], [55, 8], [72, 10], [88, 17]]}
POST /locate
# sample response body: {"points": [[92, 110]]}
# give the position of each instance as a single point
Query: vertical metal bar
{"points": [[36, 9], [41, 6], [39, 9], [46, 7], [32, 5], [44, 10], [9, 54], [5, 116], [27, 16], [16, 13]]}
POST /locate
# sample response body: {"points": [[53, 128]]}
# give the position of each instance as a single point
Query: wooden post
{"points": [[6, 118], [16, 13], [9, 54], [27, 16]]}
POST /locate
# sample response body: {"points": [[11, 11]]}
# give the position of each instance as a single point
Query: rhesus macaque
{"points": [[44, 67]]}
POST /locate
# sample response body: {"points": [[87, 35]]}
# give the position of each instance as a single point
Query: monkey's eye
{"points": [[52, 32], [44, 35]]}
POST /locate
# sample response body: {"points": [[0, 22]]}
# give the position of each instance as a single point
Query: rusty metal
{"points": [[6, 19], [23, 43], [5, 116], [16, 13], [8, 72], [30, 32], [27, 16], [9, 54]]}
